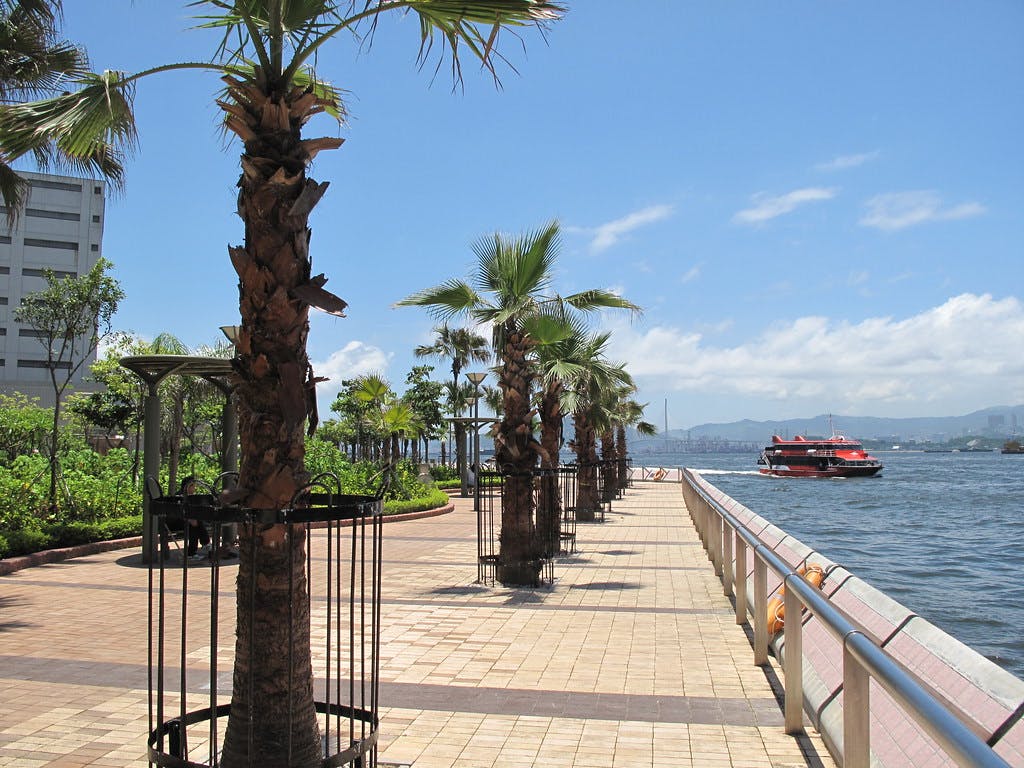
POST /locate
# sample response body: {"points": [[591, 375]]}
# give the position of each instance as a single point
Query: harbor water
{"points": [[942, 533]]}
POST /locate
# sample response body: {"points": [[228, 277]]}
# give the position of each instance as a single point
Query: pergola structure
{"points": [[153, 369]]}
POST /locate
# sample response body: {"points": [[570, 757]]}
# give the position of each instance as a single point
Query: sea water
{"points": [[941, 533]]}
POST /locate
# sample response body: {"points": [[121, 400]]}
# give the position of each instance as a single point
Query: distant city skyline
{"points": [[819, 206]]}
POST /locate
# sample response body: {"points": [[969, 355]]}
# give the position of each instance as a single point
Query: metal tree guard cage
{"points": [[567, 477], [492, 491], [339, 528]]}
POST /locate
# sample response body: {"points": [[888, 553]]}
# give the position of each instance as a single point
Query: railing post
{"points": [[793, 670], [717, 528], [856, 712], [741, 579], [727, 564], [760, 610]]}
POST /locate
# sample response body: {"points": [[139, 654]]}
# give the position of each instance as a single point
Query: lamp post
{"points": [[476, 379]]}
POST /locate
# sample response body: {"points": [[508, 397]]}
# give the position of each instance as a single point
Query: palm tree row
{"points": [[542, 351], [265, 64]]}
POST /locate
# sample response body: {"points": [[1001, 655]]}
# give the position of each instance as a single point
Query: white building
{"points": [[61, 229]]}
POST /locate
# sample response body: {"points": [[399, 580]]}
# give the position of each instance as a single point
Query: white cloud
{"points": [[607, 235], [845, 162], [898, 210], [961, 354], [768, 207], [691, 274], [354, 359]]}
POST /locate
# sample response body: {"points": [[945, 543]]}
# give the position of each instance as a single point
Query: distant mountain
{"points": [[995, 421]]}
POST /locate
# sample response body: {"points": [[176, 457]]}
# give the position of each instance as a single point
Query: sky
{"points": [[819, 206]]}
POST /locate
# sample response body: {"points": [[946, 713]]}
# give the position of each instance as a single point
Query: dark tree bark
{"points": [[585, 446], [275, 392], [621, 456], [549, 509], [516, 451]]}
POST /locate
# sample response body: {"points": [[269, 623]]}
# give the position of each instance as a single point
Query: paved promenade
{"points": [[633, 658]]}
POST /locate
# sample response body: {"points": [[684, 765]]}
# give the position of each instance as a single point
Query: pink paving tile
{"points": [[983, 692], [1011, 746]]}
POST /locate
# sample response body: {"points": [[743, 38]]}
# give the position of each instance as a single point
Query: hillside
{"points": [[995, 421]]}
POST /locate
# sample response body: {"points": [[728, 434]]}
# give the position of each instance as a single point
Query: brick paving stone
{"points": [[631, 658]]}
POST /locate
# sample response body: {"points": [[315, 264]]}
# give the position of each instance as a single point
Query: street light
{"points": [[476, 379]]}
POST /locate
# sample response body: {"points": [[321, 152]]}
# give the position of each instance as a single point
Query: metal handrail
{"points": [[863, 660]]}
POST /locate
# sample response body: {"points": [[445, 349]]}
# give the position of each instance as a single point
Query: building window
{"points": [[5, 238], [31, 333], [62, 244], [62, 364], [39, 213], [5, 270], [97, 190], [94, 248], [96, 219], [3, 331], [3, 301], [29, 272], [40, 184]]}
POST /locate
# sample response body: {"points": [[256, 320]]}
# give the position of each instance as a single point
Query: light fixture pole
{"points": [[476, 379]]}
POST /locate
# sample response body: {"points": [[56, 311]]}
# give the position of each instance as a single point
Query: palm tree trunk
{"points": [[609, 476], [587, 501], [273, 718], [621, 455], [515, 451], [549, 509]]}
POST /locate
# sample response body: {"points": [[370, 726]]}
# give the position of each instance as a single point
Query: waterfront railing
{"points": [[728, 541]]}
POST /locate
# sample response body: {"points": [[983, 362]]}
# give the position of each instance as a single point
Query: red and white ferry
{"points": [[838, 456]]}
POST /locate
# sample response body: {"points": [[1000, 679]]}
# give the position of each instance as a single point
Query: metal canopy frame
{"points": [[153, 369]]}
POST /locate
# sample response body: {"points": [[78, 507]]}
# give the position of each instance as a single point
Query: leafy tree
{"points": [[424, 396], [265, 61], [463, 346], [511, 292], [70, 317], [24, 426], [35, 62], [118, 406]]}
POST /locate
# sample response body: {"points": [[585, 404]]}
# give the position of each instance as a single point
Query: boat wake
{"points": [[726, 471]]}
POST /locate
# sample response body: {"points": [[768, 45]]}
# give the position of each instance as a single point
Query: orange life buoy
{"points": [[814, 575]]}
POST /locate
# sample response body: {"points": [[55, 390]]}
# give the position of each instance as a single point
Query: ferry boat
{"points": [[837, 456]]}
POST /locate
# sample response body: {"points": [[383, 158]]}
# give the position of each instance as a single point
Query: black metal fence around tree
{"points": [[552, 524], [343, 580]]}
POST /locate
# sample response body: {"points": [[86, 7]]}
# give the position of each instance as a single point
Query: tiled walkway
{"points": [[633, 658]]}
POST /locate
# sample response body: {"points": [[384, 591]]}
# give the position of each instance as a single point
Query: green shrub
{"points": [[433, 500], [443, 473], [25, 542]]}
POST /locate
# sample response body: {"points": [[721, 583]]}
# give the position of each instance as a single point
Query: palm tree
{"points": [[462, 346], [510, 291], [265, 61], [559, 364], [628, 413], [35, 62], [589, 403]]}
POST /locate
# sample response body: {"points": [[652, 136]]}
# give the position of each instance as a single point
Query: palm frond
{"points": [[85, 130], [444, 301], [14, 191], [600, 299]]}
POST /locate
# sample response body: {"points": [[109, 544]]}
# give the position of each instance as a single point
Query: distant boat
{"points": [[838, 456], [1012, 446]]}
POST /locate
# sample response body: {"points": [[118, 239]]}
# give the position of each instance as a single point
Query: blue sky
{"points": [[820, 206]]}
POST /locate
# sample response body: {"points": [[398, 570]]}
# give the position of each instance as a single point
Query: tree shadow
{"points": [[469, 589], [8, 626], [608, 585], [619, 552]]}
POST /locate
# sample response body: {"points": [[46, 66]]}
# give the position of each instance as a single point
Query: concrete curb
{"points": [[48, 556]]}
